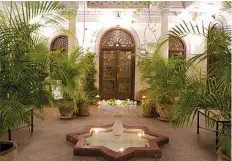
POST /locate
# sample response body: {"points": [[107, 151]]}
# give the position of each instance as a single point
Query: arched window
{"points": [[176, 48], [60, 43]]}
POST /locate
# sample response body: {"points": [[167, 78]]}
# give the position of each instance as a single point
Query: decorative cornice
{"points": [[117, 4], [164, 8], [164, 12], [72, 4], [164, 4], [96, 15], [136, 19], [88, 18], [153, 12], [198, 13]]}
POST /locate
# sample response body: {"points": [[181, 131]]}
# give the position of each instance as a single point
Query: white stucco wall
{"points": [[89, 34], [94, 32]]}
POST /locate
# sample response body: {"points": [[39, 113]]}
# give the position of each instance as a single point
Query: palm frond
{"points": [[208, 92], [24, 57], [226, 5], [11, 113]]}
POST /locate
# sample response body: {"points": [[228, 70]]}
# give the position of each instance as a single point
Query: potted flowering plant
{"points": [[117, 102]]}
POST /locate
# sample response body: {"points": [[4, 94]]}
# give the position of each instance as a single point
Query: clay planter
{"points": [[147, 113], [8, 151], [83, 110], [164, 111], [148, 108], [221, 156], [65, 109]]}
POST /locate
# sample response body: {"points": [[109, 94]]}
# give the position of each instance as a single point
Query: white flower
{"points": [[118, 102], [103, 102]]}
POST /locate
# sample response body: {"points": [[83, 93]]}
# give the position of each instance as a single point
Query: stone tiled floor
{"points": [[48, 141]]}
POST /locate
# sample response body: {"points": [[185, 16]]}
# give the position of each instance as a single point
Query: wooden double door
{"points": [[117, 74], [117, 64]]}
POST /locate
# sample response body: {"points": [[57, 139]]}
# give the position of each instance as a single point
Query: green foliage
{"points": [[69, 69], [89, 77], [227, 6], [111, 102], [225, 144], [123, 103], [214, 90], [144, 59], [165, 77], [225, 140], [65, 67], [80, 98], [22, 53], [211, 92]]}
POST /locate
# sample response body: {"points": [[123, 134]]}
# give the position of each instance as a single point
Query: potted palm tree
{"points": [[22, 83], [165, 77], [65, 71], [86, 91], [214, 90]]}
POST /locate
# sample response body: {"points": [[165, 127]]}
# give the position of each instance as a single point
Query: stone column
{"points": [[72, 38], [164, 11]]}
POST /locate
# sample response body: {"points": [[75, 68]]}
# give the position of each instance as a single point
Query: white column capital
{"points": [[74, 5], [164, 4], [164, 12], [164, 8]]}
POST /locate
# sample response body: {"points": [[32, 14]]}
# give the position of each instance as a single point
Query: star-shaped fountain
{"points": [[100, 141]]}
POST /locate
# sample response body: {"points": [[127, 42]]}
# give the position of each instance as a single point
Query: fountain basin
{"points": [[99, 141]]}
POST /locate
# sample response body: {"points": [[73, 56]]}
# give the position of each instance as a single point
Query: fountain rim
{"points": [[153, 151]]}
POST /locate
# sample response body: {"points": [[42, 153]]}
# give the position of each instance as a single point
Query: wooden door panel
{"points": [[109, 74], [124, 74]]}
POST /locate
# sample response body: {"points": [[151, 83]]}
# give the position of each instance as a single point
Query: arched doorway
{"points": [[117, 64], [176, 48], [59, 43]]}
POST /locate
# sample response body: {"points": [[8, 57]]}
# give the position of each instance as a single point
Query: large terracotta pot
{"points": [[83, 110], [8, 151], [165, 111], [147, 112], [148, 108], [65, 109], [221, 156]]}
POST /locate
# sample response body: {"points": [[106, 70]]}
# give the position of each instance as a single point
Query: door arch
{"points": [[59, 42], [177, 47], [117, 64]]}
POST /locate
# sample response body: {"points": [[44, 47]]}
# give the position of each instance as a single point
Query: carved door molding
{"points": [[177, 48], [60, 42], [117, 64]]}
